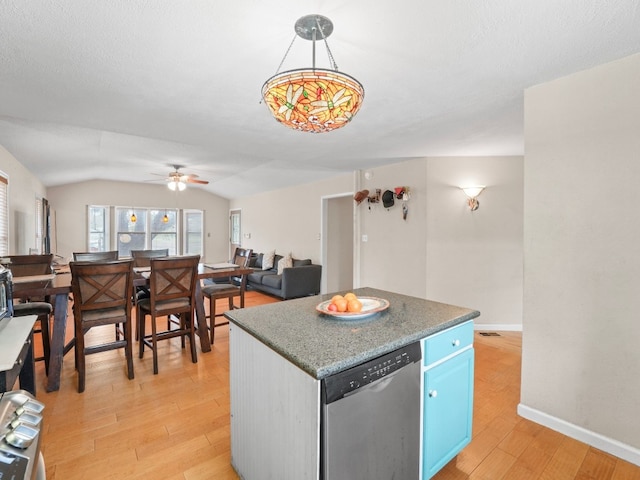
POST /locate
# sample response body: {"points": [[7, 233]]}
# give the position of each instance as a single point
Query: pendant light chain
{"points": [[326, 44], [286, 53], [332, 60]]}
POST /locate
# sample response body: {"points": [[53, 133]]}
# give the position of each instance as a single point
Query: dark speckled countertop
{"points": [[322, 345]]}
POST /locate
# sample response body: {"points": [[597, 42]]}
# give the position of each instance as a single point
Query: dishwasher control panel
{"points": [[342, 383]]}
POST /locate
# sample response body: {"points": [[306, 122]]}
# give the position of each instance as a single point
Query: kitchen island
{"points": [[279, 355]]}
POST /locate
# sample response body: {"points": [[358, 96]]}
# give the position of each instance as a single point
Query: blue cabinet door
{"points": [[448, 411]]}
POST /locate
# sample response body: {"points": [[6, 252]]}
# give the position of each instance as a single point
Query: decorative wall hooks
{"points": [[360, 196], [375, 198], [388, 198]]}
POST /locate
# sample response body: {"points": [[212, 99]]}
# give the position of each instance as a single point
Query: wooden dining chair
{"points": [[28, 265], [102, 294], [142, 258], [95, 256], [235, 286], [98, 257], [172, 286]]}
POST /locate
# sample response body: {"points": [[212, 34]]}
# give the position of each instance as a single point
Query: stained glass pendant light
{"points": [[313, 99]]}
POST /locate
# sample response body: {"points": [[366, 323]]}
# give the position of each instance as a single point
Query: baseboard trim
{"points": [[508, 327], [606, 444]]}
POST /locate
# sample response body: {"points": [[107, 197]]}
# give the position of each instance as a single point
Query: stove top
{"points": [[20, 425]]}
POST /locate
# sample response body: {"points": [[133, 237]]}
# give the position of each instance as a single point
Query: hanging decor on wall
{"points": [[388, 198]]}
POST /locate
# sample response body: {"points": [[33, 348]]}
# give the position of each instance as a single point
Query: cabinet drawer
{"points": [[447, 342]]}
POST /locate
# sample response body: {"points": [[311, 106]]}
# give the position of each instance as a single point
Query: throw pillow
{"points": [[285, 262], [267, 260]]}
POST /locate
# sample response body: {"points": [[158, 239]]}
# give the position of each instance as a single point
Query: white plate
{"points": [[370, 306]]}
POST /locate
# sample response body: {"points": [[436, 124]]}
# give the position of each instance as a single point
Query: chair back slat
{"points": [[241, 256], [101, 285], [142, 258], [27, 265], [95, 256], [173, 278]]}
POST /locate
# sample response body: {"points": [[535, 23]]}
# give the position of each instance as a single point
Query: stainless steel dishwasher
{"points": [[371, 419]]}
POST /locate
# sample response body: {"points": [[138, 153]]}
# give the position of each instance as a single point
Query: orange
{"points": [[354, 305], [350, 296], [336, 297], [341, 304]]}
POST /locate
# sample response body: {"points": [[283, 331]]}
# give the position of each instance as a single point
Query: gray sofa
{"points": [[301, 280]]}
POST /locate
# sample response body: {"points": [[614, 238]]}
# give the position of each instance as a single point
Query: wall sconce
{"points": [[472, 193]]}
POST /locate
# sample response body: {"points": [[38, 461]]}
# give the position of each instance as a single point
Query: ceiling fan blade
{"points": [[195, 180]]}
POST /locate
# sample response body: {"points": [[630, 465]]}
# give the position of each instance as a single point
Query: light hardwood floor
{"points": [[175, 425]]}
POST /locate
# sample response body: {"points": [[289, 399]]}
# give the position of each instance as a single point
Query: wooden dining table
{"points": [[57, 287]]}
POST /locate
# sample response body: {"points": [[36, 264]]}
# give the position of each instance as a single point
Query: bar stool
{"points": [[172, 287]]}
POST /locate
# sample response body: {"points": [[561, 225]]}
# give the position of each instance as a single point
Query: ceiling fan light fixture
{"points": [[177, 185], [313, 99]]}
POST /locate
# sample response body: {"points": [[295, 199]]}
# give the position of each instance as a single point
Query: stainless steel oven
{"points": [[20, 427]]}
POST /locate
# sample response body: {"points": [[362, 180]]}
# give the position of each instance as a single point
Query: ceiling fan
{"points": [[178, 181]]}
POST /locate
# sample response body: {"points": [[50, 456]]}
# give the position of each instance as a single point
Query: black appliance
{"points": [[6, 295]]}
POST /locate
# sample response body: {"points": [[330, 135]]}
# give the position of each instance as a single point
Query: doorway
{"points": [[337, 243]]}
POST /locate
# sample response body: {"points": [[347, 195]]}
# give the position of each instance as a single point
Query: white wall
{"points": [[70, 202], [582, 262], [289, 219], [23, 190], [442, 251], [394, 256], [474, 259]]}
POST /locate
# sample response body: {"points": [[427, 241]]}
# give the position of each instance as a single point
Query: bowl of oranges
{"points": [[350, 306]]}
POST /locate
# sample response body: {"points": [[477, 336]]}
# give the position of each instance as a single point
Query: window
{"points": [[193, 236], [98, 223], [131, 230], [164, 230], [153, 228], [39, 225], [235, 228], [4, 215]]}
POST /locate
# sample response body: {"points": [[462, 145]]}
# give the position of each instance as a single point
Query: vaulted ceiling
{"points": [[124, 89]]}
